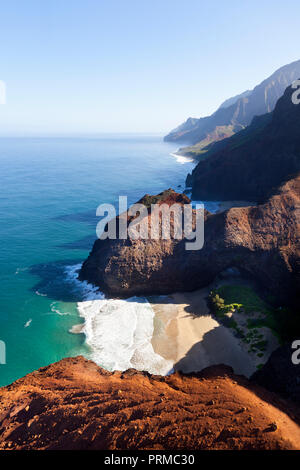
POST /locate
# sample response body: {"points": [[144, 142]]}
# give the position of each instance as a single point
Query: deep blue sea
{"points": [[50, 189]]}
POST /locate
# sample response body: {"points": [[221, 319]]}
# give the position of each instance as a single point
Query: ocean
{"points": [[50, 189]]}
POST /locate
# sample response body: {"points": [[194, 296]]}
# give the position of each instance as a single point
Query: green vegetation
{"points": [[235, 138], [284, 322], [235, 297], [241, 300], [147, 200], [244, 301], [207, 147]]}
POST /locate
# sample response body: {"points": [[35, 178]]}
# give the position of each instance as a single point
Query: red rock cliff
{"points": [[74, 404]]}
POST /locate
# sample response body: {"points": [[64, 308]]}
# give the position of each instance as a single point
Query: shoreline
{"points": [[192, 338], [182, 158], [180, 333], [214, 207], [185, 334]]}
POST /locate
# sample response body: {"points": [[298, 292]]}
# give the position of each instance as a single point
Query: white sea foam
{"points": [[87, 291], [40, 294], [20, 270], [182, 159], [55, 309], [119, 334]]}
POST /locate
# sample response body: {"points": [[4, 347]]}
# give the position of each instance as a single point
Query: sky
{"points": [[114, 66]]}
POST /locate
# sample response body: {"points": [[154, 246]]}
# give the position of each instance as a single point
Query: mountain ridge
{"points": [[253, 162], [262, 99]]}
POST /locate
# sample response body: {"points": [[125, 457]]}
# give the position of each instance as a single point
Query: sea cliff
{"points": [[262, 241]]}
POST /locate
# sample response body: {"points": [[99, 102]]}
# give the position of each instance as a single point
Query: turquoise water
{"points": [[50, 189]]}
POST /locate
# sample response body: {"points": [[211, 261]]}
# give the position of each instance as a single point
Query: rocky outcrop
{"points": [[239, 111], [280, 375], [261, 241], [132, 267], [252, 163], [74, 404]]}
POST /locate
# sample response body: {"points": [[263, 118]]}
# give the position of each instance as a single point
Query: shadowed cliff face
{"points": [[262, 241], [74, 404], [280, 375], [251, 164]]}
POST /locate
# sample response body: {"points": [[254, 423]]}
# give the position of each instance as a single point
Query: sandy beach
{"points": [[160, 334], [187, 334]]}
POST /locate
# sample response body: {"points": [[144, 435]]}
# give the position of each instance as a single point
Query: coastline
{"points": [[168, 333], [164, 334], [189, 336], [182, 158], [174, 333], [212, 206]]}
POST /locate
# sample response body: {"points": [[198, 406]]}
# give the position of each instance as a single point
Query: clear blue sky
{"points": [[135, 66]]}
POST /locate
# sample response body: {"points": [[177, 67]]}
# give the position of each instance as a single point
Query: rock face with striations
{"points": [[255, 161], [76, 405], [237, 112], [262, 241]]}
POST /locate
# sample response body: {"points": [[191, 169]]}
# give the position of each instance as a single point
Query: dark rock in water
{"points": [[280, 375], [253, 163], [261, 241]]}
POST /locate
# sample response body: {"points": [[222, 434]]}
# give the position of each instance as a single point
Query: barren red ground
{"points": [[74, 404]]}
